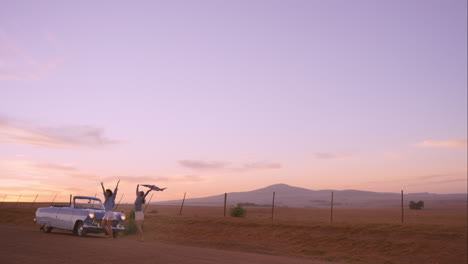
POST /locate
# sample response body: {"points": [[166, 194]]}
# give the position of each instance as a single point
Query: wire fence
{"points": [[8, 200], [399, 213]]}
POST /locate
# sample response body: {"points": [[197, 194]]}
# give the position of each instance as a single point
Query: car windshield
{"points": [[86, 203]]}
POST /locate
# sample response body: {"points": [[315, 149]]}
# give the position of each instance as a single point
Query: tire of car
{"points": [[79, 230], [46, 228]]}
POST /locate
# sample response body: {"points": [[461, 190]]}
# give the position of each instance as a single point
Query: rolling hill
{"points": [[290, 196]]}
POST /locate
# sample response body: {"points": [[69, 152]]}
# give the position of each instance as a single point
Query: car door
{"points": [[52, 216], [64, 218]]}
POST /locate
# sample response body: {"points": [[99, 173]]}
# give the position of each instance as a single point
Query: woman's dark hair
{"points": [[108, 191], [142, 194]]}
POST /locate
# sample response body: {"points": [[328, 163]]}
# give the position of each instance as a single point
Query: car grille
{"points": [[97, 222]]}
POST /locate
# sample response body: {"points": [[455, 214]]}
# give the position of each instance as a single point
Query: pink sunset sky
{"points": [[207, 97]]}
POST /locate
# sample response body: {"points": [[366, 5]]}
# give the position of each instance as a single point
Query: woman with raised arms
{"points": [[139, 216], [109, 204]]}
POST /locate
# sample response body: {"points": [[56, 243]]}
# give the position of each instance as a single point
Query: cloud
{"points": [[423, 180], [44, 68], [203, 165], [52, 39], [461, 143], [15, 187], [222, 165], [434, 176], [439, 182], [439, 179], [154, 179], [16, 64], [329, 156], [52, 137], [50, 166], [261, 166], [9, 77], [393, 155]]}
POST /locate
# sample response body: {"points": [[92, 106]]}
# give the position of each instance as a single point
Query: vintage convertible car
{"points": [[82, 216]]}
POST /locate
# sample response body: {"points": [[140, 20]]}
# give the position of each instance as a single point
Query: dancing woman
{"points": [[139, 216], [109, 204]]}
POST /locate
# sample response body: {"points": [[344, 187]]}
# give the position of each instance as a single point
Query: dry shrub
{"points": [[238, 211]]}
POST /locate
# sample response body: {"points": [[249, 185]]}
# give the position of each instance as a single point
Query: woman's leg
{"points": [[104, 224], [140, 230], [107, 227]]}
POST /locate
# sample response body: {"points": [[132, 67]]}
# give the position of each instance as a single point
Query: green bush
{"points": [[416, 205], [130, 226], [238, 211]]}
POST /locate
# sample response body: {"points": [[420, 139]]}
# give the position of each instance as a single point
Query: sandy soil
{"points": [[21, 244], [201, 234]]}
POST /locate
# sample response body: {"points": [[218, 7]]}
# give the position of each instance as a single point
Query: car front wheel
{"points": [[80, 231]]}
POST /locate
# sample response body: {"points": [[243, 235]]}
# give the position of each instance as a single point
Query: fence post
{"points": [[331, 208], [4, 199], [182, 206], [225, 198], [53, 200], [34, 200], [119, 201], [148, 203], [402, 215], [18, 200], [273, 207]]}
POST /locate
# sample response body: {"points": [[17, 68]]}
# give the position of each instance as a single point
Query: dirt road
{"points": [[19, 244]]}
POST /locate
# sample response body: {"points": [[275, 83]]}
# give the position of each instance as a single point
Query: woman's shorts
{"points": [[139, 216], [109, 216]]}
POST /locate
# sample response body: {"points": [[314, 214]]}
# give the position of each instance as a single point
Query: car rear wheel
{"points": [[46, 228], [80, 231]]}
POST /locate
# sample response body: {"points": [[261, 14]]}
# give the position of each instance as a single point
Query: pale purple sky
{"points": [[207, 97]]}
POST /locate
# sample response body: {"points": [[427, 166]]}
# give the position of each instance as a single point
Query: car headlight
{"points": [[122, 217], [91, 215]]}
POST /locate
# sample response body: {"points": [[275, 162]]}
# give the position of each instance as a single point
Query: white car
{"points": [[84, 215]]}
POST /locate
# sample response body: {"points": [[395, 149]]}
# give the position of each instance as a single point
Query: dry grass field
{"points": [[436, 235]]}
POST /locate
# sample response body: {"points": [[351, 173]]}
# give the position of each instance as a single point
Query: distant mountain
{"points": [[290, 196]]}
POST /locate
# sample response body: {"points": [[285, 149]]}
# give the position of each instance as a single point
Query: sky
{"points": [[207, 97]]}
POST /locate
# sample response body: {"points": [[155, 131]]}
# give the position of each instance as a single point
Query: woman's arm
{"points": [[116, 189], [137, 190], [146, 193], [103, 190]]}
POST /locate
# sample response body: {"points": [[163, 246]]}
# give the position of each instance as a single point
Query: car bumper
{"points": [[98, 228]]}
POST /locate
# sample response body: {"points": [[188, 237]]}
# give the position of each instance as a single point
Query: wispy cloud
{"points": [[203, 165], [424, 180], [228, 166], [52, 39], [432, 176], [16, 64], [24, 187], [329, 156], [460, 143], [50, 166], [155, 179], [438, 182], [52, 137], [261, 166], [393, 155]]}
